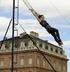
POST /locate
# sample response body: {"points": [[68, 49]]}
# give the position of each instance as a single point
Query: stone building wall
{"points": [[28, 59]]}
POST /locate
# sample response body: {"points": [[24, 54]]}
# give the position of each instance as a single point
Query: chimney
{"points": [[32, 33]]}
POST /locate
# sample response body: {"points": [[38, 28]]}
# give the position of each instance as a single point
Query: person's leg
{"points": [[56, 36], [54, 32], [57, 40]]}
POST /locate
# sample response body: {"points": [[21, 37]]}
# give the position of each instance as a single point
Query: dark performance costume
{"points": [[53, 31]]}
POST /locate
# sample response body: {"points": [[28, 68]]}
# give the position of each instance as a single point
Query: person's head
{"points": [[41, 17]]}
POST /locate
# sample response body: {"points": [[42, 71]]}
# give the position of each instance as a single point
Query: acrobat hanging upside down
{"points": [[41, 19]]}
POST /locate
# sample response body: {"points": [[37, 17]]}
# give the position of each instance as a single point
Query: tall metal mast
{"points": [[17, 16], [12, 54]]}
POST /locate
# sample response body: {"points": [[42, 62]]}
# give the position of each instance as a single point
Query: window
{"points": [[64, 68], [15, 59], [30, 44], [30, 60], [21, 61], [46, 47], [1, 63], [9, 61], [3, 47], [22, 45], [17, 45], [7, 46], [61, 52], [37, 61], [44, 63], [60, 68], [26, 43], [14, 71], [51, 49], [40, 45], [34, 43], [56, 51]]}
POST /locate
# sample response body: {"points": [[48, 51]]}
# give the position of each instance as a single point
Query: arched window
{"points": [[61, 52], [56, 51], [26, 44], [46, 47], [30, 61], [34, 43], [38, 62], [40, 45], [1, 62], [51, 49], [21, 61]]}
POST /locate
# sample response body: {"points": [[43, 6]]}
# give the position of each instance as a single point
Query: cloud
{"points": [[67, 43], [6, 3], [3, 23], [48, 8], [64, 26]]}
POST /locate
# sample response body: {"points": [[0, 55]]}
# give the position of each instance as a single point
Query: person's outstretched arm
{"points": [[35, 14]]}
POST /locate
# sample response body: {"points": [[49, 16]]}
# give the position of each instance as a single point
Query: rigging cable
{"points": [[27, 4], [59, 12], [5, 33]]}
